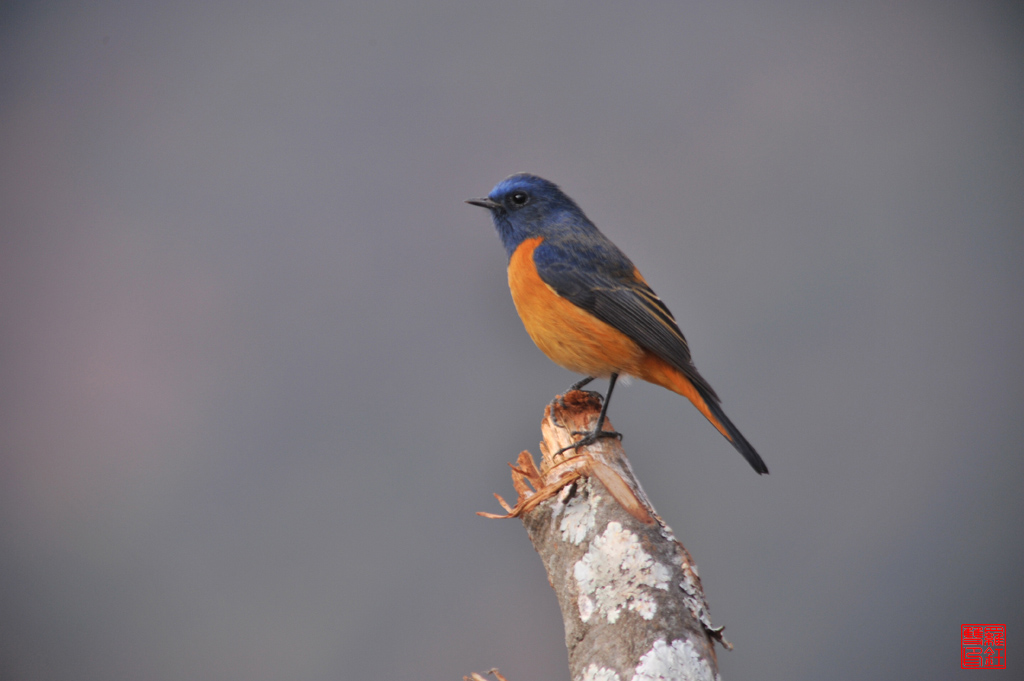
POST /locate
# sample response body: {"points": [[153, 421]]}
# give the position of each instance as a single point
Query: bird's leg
{"points": [[604, 409], [596, 434]]}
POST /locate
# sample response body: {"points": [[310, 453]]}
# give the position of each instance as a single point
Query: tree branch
{"points": [[632, 602]]}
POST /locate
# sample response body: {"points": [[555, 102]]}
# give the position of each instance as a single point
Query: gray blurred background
{"points": [[260, 365]]}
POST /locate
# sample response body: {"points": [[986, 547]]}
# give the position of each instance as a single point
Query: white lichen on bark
{"points": [[598, 673], [577, 520], [680, 660], [615, 574]]}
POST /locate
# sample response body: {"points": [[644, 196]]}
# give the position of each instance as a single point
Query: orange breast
{"points": [[570, 336]]}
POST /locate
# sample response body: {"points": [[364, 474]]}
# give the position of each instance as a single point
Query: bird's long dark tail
{"points": [[733, 434], [656, 370]]}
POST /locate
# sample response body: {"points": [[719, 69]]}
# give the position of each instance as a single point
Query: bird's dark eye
{"points": [[520, 198]]}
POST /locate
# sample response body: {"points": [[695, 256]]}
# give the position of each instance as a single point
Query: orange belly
{"points": [[570, 336]]}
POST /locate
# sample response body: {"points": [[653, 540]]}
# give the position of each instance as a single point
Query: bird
{"points": [[588, 308]]}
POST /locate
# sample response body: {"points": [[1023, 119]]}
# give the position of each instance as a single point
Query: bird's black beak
{"points": [[484, 203]]}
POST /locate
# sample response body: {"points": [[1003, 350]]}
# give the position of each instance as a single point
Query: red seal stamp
{"points": [[983, 646]]}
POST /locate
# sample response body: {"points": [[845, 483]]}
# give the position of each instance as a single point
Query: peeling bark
{"points": [[631, 600]]}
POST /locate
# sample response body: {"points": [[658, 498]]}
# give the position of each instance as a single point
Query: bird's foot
{"points": [[556, 404], [589, 438]]}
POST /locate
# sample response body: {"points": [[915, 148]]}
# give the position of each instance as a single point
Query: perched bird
{"points": [[586, 306]]}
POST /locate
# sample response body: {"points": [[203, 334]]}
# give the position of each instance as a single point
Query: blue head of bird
{"points": [[524, 206]]}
